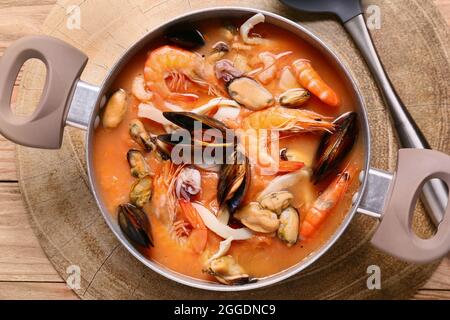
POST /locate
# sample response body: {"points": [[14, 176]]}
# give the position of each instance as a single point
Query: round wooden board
{"points": [[413, 44]]}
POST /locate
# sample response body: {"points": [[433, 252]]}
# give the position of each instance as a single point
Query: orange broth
{"points": [[262, 255]]}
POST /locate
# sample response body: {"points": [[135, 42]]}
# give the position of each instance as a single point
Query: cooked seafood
{"points": [[135, 225], [310, 79], [115, 109], [188, 183], [258, 219], [294, 97], [180, 65], [233, 156], [228, 271], [326, 202], [141, 191], [138, 165], [289, 222], [139, 90], [250, 93], [234, 181], [284, 119], [277, 201], [249, 25], [199, 234], [186, 36], [335, 146], [140, 135]]}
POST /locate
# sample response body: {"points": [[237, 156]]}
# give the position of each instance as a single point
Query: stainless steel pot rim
{"points": [[274, 279]]}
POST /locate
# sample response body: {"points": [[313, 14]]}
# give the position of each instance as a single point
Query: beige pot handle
{"points": [[64, 63], [395, 235]]}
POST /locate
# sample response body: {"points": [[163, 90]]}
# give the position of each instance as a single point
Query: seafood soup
{"points": [[228, 151]]}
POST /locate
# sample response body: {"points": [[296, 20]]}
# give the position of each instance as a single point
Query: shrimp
{"points": [[163, 198], [326, 202], [284, 119], [198, 237], [180, 65], [311, 80]]}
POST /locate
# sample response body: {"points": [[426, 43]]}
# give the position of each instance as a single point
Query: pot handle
{"points": [[394, 234], [64, 63]]}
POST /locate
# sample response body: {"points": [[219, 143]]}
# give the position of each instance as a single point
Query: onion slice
{"points": [[213, 224], [248, 25], [215, 102], [284, 182], [224, 247], [149, 111]]}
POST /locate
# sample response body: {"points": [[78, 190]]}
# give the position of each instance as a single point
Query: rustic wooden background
{"points": [[25, 272]]}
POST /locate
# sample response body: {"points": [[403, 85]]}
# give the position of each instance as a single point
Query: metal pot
{"points": [[67, 100]]}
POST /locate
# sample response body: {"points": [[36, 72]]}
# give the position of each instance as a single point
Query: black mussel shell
{"points": [[186, 36], [187, 120], [335, 146], [186, 139], [234, 180], [135, 224]]}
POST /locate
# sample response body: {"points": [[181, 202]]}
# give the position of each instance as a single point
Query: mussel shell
{"points": [[234, 180], [176, 138], [250, 93], [335, 146], [140, 135], [135, 224], [141, 191], [138, 165], [187, 120], [186, 37]]}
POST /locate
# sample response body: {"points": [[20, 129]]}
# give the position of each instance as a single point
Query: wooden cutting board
{"points": [[413, 44]]}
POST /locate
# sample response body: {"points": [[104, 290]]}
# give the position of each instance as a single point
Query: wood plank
{"points": [[441, 278], [35, 291], [8, 169], [432, 295], [21, 18], [21, 257]]}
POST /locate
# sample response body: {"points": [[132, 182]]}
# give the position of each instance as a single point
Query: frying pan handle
{"points": [[64, 63], [409, 134], [394, 234]]}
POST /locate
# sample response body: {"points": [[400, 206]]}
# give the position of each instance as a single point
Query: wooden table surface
{"points": [[25, 272]]}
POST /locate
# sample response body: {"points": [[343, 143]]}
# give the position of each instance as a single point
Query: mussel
{"points": [[250, 93], [141, 191], [198, 131], [277, 201], [135, 224], [258, 219], [294, 98], [335, 146], [234, 180], [185, 36], [140, 135], [138, 165], [289, 223], [244, 90], [227, 271], [193, 121], [115, 109]]}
